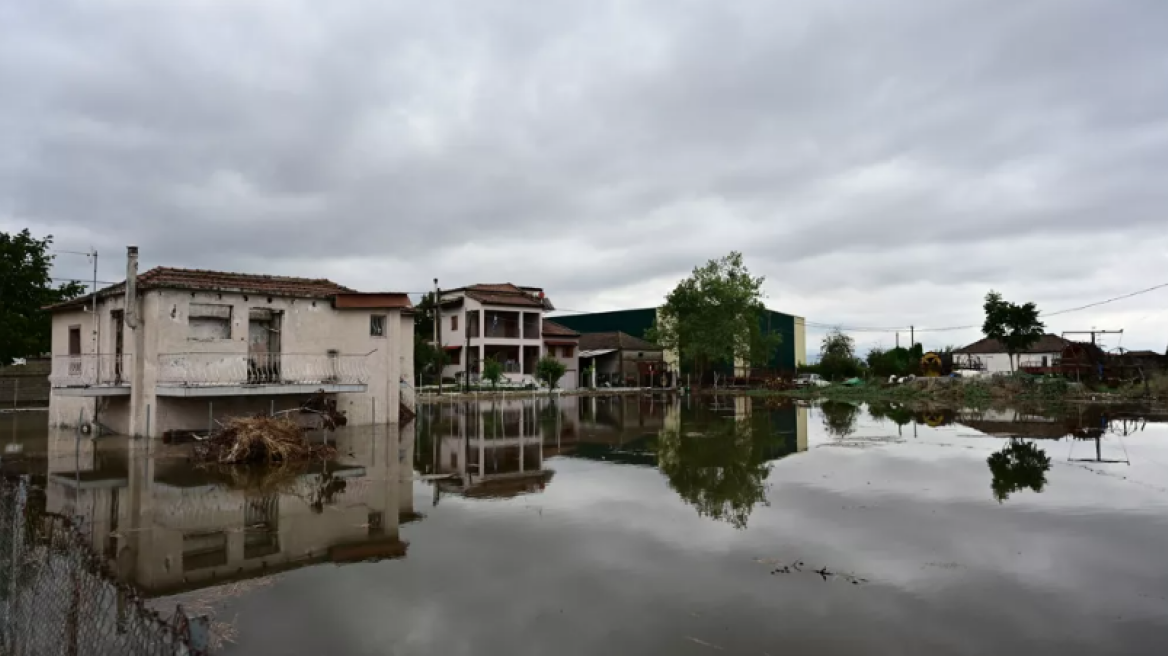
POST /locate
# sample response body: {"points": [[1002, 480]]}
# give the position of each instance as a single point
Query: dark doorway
{"points": [[263, 346], [118, 318]]}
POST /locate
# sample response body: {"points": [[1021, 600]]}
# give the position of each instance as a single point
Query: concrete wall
{"points": [[571, 378], [64, 411], [308, 327]]}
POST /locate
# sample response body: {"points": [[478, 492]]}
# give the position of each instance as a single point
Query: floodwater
{"points": [[651, 525]]}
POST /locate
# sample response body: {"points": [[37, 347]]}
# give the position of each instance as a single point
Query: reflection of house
{"points": [[492, 448], [500, 321], [990, 355], [176, 348], [623, 360], [1011, 423], [167, 527]]}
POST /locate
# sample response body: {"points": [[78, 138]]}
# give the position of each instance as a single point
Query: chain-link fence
{"points": [[57, 597]]}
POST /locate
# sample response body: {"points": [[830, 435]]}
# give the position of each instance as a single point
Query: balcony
{"points": [[103, 374], [244, 374]]}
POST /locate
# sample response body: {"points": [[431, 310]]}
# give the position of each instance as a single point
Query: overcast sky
{"points": [[883, 163]]}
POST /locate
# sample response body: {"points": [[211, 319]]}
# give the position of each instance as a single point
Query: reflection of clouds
{"points": [[615, 576], [615, 563]]}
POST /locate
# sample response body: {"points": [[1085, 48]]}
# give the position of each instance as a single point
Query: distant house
{"points": [[623, 360], [990, 355], [501, 321], [178, 349]]}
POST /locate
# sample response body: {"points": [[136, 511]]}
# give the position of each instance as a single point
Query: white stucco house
{"points": [[178, 349], [990, 356], [505, 322]]}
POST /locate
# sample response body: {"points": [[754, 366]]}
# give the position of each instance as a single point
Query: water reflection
{"points": [[1018, 466], [167, 527], [839, 417], [712, 451]]}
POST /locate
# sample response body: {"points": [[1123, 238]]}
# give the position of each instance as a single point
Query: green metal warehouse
{"points": [[790, 354]]}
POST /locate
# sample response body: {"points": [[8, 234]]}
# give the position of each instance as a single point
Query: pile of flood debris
{"points": [[279, 438], [261, 438]]}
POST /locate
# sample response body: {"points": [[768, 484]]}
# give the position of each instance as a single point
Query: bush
{"points": [[549, 371]]}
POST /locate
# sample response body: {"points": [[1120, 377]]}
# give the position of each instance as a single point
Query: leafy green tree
{"points": [[25, 288], [1017, 327], [549, 371], [493, 372], [424, 316], [715, 317], [837, 356], [1019, 465], [427, 358], [895, 362]]}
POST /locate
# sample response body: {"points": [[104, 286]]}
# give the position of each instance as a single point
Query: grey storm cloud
{"points": [[883, 163]]}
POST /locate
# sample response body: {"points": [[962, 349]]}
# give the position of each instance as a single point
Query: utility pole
{"points": [[439, 351], [912, 337], [92, 253], [466, 329], [898, 339]]}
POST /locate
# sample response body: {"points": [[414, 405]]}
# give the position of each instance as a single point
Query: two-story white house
{"points": [[501, 321], [179, 349]]}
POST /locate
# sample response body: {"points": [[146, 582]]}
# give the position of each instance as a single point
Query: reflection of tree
{"points": [[721, 471], [1019, 465], [839, 418], [899, 414]]}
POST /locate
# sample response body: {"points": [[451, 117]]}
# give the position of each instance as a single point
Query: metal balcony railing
{"points": [[217, 369], [90, 370]]}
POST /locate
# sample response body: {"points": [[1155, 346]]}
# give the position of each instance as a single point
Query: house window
{"points": [[377, 325], [454, 322], [567, 351], [551, 351], [74, 340], [206, 322]]}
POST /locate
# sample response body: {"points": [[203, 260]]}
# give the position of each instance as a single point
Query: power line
{"points": [[1110, 300], [974, 326], [83, 280]]}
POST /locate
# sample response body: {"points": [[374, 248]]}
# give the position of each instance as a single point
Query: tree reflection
{"points": [[1019, 465], [839, 418], [721, 471], [899, 414]]}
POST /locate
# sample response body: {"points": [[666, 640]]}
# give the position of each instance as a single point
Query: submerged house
{"points": [[178, 349]]}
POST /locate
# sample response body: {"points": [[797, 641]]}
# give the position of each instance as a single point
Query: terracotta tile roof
{"points": [[171, 278], [1046, 344], [615, 340], [553, 329], [504, 294], [371, 300]]}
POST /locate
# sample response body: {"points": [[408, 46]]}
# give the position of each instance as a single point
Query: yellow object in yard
{"points": [[931, 365]]}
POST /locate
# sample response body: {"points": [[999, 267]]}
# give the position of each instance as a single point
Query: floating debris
{"points": [[261, 438], [798, 566]]}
